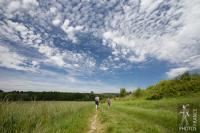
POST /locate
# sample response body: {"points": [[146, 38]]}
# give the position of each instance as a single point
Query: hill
{"points": [[182, 85]]}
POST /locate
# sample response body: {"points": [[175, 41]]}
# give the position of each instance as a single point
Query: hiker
{"points": [[97, 102], [109, 103]]}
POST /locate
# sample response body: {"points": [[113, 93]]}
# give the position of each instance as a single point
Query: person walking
{"points": [[97, 102], [109, 103]]}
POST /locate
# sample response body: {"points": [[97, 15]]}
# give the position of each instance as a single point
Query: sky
{"points": [[96, 45]]}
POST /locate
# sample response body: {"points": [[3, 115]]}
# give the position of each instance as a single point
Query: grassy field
{"points": [[145, 116], [124, 116], [45, 117]]}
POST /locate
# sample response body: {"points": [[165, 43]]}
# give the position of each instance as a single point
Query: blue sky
{"points": [[96, 45]]}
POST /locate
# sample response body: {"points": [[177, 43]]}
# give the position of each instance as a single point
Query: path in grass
{"points": [[95, 125]]}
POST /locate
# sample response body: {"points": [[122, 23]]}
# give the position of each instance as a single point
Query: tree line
{"points": [[51, 96]]}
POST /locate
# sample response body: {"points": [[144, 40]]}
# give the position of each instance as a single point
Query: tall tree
{"points": [[122, 92]]}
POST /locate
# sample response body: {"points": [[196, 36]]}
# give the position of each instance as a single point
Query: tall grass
{"points": [[44, 117]]}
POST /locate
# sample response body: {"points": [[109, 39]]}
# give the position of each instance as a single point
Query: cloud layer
{"points": [[87, 37]]}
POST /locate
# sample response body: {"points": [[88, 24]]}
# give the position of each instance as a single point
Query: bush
{"points": [[182, 85], [122, 92], [138, 92]]}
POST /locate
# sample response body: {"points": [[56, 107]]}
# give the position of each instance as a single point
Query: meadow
{"points": [[126, 115], [45, 117], [145, 116], [151, 110]]}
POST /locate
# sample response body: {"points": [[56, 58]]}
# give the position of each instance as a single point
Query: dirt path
{"points": [[95, 126]]}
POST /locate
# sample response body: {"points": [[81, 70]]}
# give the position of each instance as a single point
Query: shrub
{"points": [[122, 92], [182, 85], [138, 92]]}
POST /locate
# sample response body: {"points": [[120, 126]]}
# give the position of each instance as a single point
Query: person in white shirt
{"points": [[97, 102], [109, 103]]}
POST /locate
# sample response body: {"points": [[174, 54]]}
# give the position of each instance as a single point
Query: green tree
{"points": [[138, 92], [122, 92]]}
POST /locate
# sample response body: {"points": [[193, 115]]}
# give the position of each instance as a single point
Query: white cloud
{"points": [[66, 59], [122, 41], [58, 59], [53, 10], [19, 5], [65, 25], [146, 34], [104, 68], [176, 72], [29, 3], [70, 30], [53, 55], [45, 49], [149, 5], [13, 60], [13, 6], [56, 21], [145, 4], [141, 58], [134, 30]]}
